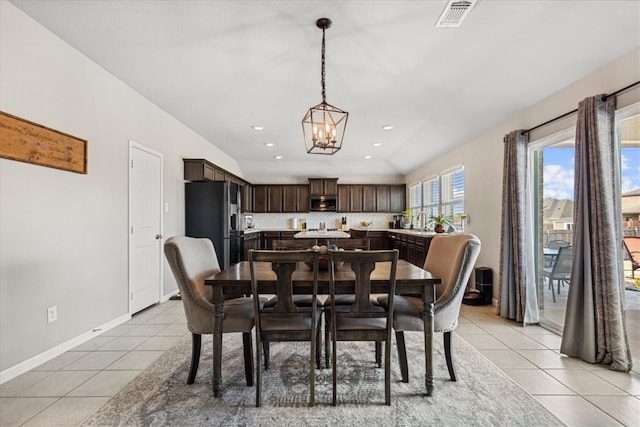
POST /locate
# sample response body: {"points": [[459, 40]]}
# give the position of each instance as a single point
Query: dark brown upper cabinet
{"points": [[323, 187]]}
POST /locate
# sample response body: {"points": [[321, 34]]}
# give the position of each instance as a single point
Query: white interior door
{"points": [[145, 227]]}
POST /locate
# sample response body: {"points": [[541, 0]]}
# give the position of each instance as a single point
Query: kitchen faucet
{"points": [[423, 222]]}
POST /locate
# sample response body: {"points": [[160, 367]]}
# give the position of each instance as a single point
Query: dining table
{"points": [[236, 280]]}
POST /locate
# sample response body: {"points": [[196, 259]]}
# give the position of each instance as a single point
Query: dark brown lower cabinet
{"points": [[251, 241], [412, 248]]}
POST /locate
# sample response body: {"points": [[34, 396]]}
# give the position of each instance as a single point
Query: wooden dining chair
{"points": [[362, 320], [192, 260], [347, 244], [451, 258], [286, 321], [299, 300]]}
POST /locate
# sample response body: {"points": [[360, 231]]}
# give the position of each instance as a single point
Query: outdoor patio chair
{"points": [[561, 269], [632, 250]]}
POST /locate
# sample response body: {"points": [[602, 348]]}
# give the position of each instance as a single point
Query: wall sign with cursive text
{"points": [[30, 142]]}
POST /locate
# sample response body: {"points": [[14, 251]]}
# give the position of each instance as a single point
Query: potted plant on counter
{"points": [[439, 222], [410, 217]]}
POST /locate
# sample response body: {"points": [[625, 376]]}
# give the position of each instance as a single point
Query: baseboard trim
{"points": [[166, 297], [45, 356]]}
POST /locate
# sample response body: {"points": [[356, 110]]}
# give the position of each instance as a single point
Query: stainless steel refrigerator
{"points": [[212, 211]]}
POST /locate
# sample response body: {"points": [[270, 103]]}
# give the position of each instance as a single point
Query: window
{"points": [[415, 197], [442, 193], [453, 194]]}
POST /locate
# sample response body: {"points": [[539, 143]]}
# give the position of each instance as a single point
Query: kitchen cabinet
{"points": [[371, 198], [268, 237], [323, 187], [219, 175], [280, 198], [382, 198], [397, 198], [267, 198], [377, 240], [198, 170], [344, 204], [203, 170], [355, 198], [295, 198], [247, 197], [390, 198], [274, 198], [368, 198], [260, 203], [349, 198], [288, 234], [251, 241], [412, 248]]}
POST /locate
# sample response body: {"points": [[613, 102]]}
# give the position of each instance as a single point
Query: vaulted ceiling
{"points": [[221, 67]]}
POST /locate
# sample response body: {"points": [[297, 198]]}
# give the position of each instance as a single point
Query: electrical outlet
{"points": [[52, 314]]}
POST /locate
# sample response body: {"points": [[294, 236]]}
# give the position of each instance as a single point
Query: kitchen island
{"points": [[322, 234]]}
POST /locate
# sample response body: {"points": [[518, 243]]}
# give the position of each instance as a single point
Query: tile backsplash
{"points": [[331, 219]]}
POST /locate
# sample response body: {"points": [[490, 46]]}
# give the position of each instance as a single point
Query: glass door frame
{"points": [[536, 199]]}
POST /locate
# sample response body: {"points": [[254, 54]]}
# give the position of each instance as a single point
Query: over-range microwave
{"points": [[323, 203]]}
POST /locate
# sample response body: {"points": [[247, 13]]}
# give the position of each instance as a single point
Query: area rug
{"points": [[482, 396]]}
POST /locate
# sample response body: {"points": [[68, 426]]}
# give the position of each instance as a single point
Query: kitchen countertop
{"points": [[322, 234], [414, 232]]}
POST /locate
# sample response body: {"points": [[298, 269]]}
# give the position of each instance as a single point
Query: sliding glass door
{"points": [[552, 164]]}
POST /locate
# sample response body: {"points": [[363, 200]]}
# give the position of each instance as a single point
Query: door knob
{"points": [[158, 236]]}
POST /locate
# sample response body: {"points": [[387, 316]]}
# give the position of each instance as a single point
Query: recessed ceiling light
{"points": [[257, 128], [277, 157], [377, 144], [368, 156], [269, 144], [387, 127]]}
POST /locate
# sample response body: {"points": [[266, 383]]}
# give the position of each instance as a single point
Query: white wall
{"points": [[63, 236], [482, 157]]}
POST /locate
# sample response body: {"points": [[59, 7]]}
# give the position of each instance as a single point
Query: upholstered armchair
{"points": [[452, 259], [192, 260]]}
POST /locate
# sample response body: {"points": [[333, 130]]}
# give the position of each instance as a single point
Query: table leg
{"points": [[428, 315], [218, 318]]}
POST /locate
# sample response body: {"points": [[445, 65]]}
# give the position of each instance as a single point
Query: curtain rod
{"points": [[562, 116]]}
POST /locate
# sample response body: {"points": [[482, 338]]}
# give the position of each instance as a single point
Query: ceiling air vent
{"points": [[454, 13]]}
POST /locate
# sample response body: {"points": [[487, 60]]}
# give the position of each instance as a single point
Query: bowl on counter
{"points": [[366, 224]]}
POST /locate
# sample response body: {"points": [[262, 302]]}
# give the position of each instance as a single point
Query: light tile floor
{"points": [[65, 390]]}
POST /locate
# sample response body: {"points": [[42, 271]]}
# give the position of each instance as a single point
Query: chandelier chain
{"points": [[322, 73]]}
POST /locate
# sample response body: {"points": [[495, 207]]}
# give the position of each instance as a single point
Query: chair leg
{"points": [[379, 354], [259, 371], [247, 344], [327, 337], [447, 355], [265, 350], [402, 356], [335, 374], [313, 357], [196, 343], [387, 372], [318, 345]]}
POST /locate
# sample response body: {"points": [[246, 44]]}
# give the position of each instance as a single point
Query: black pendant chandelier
{"points": [[323, 126]]}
